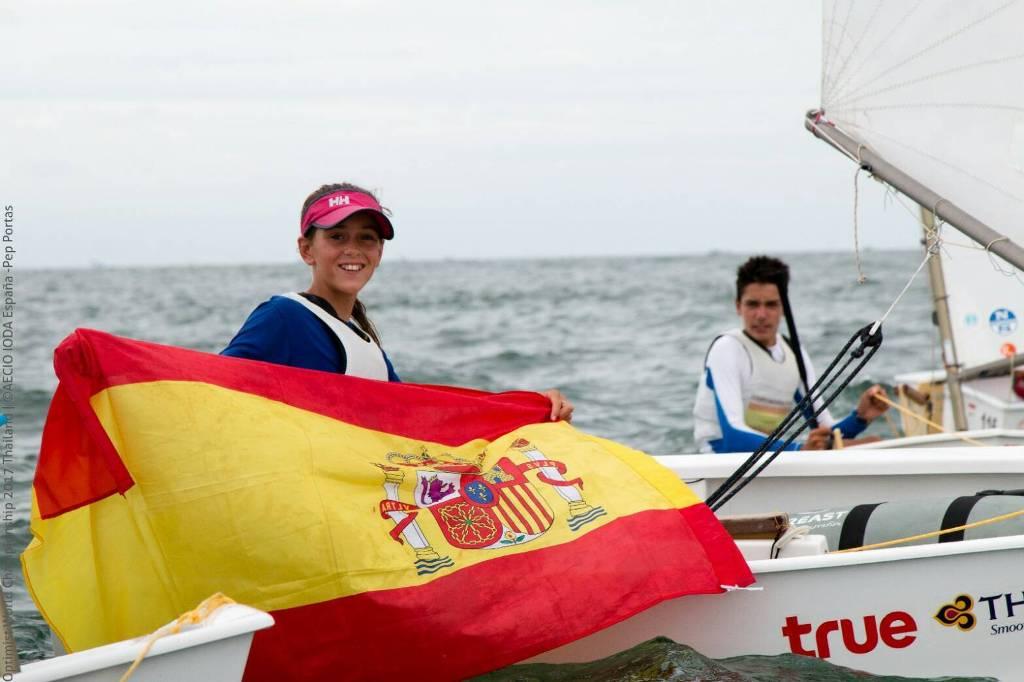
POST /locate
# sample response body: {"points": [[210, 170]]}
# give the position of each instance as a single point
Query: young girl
{"points": [[342, 230]]}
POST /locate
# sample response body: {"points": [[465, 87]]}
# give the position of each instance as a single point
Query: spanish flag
{"points": [[394, 531]]}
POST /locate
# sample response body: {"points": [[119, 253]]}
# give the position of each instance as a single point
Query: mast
{"points": [[940, 300], [982, 234]]}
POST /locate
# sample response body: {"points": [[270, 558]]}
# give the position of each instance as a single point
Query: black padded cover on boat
{"points": [[865, 524]]}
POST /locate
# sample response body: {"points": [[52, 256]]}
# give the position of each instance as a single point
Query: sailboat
{"points": [[925, 98]]}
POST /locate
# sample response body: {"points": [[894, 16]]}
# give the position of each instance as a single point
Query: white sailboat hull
{"points": [[216, 650], [949, 440], [798, 481], [886, 600]]}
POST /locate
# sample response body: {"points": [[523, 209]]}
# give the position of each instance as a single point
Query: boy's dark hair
{"points": [[762, 270]]}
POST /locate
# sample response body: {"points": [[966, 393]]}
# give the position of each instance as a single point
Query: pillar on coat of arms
{"points": [[427, 558], [580, 513]]}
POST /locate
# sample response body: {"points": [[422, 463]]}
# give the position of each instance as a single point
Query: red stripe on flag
{"points": [[505, 518], [523, 526], [88, 361], [539, 505], [719, 546], [514, 490], [455, 415], [77, 464], [524, 604]]}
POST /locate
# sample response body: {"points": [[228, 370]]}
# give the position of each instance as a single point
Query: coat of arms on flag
{"points": [[478, 509]]}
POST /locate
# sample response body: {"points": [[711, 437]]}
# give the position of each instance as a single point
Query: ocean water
{"points": [[624, 338]]}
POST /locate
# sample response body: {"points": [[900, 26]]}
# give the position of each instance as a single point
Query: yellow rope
{"points": [[915, 415], [837, 439], [889, 420], [196, 615], [893, 429], [934, 533]]}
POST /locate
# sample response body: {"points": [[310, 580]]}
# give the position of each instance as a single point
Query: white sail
{"points": [[934, 87], [986, 308]]}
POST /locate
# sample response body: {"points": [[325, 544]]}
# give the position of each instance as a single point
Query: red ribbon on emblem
{"points": [[394, 505], [561, 468]]}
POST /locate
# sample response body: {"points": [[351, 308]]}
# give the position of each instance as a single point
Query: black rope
{"points": [[868, 344], [794, 340], [793, 437], [799, 411], [827, 401]]}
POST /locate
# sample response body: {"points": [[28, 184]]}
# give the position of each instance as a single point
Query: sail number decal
{"points": [[1002, 321]]}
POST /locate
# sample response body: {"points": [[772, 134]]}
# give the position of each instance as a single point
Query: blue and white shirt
{"points": [[724, 395], [283, 331]]}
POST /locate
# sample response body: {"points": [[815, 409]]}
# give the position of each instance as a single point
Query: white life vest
{"points": [[363, 356], [773, 384]]}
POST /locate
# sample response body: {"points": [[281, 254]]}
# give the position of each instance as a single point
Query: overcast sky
{"points": [[190, 132]]}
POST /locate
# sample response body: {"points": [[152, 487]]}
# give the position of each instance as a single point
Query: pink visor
{"points": [[331, 209]]}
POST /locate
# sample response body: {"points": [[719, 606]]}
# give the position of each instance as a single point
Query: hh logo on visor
{"points": [[338, 201]]}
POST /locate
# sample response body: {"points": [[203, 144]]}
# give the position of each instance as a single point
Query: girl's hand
{"points": [[561, 408]]}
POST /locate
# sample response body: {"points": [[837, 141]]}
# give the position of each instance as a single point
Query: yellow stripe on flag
{"points": [[282, 504]]}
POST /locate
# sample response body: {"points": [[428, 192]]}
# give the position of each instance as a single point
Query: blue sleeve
{"points": [[263, 336], [851, 426], [734, 439]]}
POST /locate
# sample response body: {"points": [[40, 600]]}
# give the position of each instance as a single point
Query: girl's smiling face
{"points": [[343, 258]]}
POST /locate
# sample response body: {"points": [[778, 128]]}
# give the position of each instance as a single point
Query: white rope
{"points": [[856, 237], [932, 234], [944, 244], [928, 254], [791, 534], [994, 262]]}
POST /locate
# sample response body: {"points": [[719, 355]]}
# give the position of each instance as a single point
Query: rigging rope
{"points": [[910, 413], [1012, 272], [822, 131], [856, 237], [868, 340], [930, 252], [787, 311], [197, 615], [943, 243], [891, 424]]}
